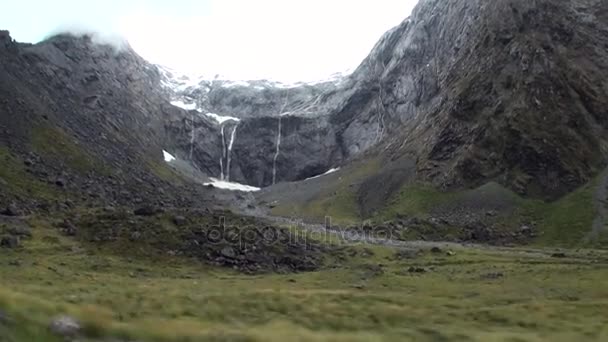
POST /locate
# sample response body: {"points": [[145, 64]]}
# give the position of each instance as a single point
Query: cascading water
{"points": [[232, 137], [276, 154], [227, 152], [223, 153]]}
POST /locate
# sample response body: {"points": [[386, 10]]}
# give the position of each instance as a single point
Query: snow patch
{"points": [[168, 157], [231, 186], [183, 105], [221, 119], [324, 174]]}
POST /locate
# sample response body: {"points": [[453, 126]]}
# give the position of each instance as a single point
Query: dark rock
{"points": [[10, 241], [436, 250], [559, 255], [179, 220], [413, 269], [145, 211], [68, 228], [492, 275], [12, 210], [228, 252], [20, 231], [135, 236], [60, 182]]}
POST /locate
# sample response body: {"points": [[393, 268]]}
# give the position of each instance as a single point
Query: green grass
{"points": [[19, 182], [337, 200], [369, 296], [566, 221], [414, 200], [52, 142]]}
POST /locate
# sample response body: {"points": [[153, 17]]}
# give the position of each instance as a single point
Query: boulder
{"points": [[65, 326], [10, 241]]}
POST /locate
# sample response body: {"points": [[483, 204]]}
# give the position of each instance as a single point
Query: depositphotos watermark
{"points": [[292, 231]]}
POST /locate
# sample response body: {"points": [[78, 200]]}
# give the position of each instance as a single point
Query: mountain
{"points": [[459, 95], [516, 97], [83, 122]]}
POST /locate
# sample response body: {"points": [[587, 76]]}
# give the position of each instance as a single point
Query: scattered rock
{"points": [[14, 263], [525, 229], [179, 220], [492, 275], [406, 254], [20, 231], [228, 252], [11, 210], [145, 211], [491, 213], [68, 228], [413, 269], [65, 326], [135, 236], [10, 241], [436, 250]]}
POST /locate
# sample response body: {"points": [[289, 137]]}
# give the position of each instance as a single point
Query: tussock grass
{"points": [[370, 296]]}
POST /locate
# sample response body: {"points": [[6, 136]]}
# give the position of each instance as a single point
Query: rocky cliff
{"points": [[465, 92]]}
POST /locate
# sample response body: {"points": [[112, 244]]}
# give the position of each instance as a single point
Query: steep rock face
{"points": [[509, 90], [264, 151], [512, 91]]}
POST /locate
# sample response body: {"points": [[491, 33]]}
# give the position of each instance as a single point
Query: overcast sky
{"points": [[244, 39]]}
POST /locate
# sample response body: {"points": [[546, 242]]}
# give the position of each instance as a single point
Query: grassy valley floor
{"points": [[373, 293]]}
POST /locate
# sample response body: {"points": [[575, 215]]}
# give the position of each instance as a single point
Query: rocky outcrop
{"points": [[510, 90]]}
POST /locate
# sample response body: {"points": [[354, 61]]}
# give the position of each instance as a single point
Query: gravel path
{"points": [[354, 238]]}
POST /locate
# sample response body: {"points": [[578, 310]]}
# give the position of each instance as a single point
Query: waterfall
{"points": [[276, 154], [223, 153], [232, 136]]}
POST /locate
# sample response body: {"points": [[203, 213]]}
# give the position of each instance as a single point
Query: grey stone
{"points": [[65, 326]]}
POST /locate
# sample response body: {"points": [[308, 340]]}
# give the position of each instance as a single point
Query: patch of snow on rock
{"points": [[231, 186], [221, 119], [183, 105], [168, 157], [324, 174]]}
